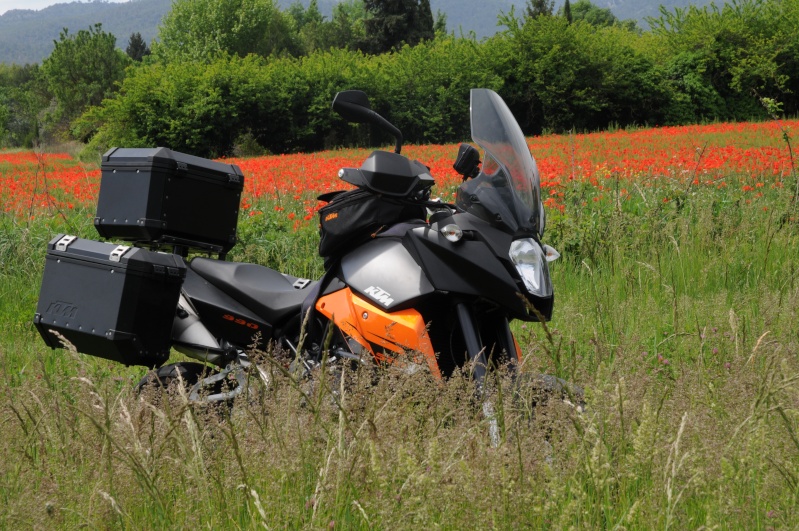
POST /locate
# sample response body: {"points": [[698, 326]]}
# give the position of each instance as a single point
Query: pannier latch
{"points": [[182, 166], [117, 253], [63, 243], [300, 283]]}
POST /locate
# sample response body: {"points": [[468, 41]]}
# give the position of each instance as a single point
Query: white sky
{"points": [[7, 5]]}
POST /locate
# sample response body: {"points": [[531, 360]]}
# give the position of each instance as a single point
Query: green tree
{"points": [[23, 97], [314, 32], [596, 16], [347, 29], [137, 49], [82, 70], [560, 76], [391, 23], [567, 11], [720, 60], [539, 8], [201, 30], [440, 25]]}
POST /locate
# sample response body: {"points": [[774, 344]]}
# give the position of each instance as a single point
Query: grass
{"points": [[677, 309]]}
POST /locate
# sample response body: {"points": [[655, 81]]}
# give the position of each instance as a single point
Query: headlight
{"points": [[528, 257]]}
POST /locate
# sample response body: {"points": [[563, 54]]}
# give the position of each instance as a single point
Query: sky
{"points": [[7, 5]]}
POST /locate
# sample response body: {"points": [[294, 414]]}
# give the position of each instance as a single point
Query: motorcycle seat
{"points": [[270, 294]]}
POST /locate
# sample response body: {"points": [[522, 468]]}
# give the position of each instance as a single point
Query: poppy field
{"points": [[750, 156], [676, 309]]}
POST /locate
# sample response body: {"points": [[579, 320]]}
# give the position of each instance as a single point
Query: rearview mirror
{"points": [[353, 106], [467, 163]]}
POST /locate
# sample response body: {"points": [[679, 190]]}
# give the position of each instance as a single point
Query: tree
{"points": [[83, 70], [202, 30], [137, 49], [391, 23], [567, 11], [721, 60], [314, 32], [594, 15], [23, 96], [540, 8], [561, 76], [441, 22], [346, 30]]}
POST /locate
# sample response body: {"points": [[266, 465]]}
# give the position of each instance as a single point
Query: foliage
{"points": [[285, 103], [717, 59], [344, 30], [391, 23], [23, 93], [137, 49], [561, 76], [539, 8], [432, 104], [202, 30], [348, 24], [82, 71], [596, 16], [190, 106]]}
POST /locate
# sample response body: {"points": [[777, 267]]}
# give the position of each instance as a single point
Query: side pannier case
{"points": [[157, 196], [110, 301]]}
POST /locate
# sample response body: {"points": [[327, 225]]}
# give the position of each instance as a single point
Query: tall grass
{"points": [[676, 310]]}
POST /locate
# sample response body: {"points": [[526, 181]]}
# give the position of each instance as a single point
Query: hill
{"points": [[26, 36]]}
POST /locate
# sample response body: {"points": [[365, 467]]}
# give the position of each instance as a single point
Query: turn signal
{"points": [[452, 232]]}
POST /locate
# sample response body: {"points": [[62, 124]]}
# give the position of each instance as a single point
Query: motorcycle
{"points": [[408, 280]]}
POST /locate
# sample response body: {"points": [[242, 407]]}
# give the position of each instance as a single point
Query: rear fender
{"points": [[395, 337]]}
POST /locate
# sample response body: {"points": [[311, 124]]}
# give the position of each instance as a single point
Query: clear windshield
{"points": [[507, 190]]}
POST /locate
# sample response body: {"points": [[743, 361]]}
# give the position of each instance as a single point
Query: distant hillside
{"points": [[27, 36]]}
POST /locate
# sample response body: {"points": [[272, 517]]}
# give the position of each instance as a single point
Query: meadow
{"points": [[677, 310]]}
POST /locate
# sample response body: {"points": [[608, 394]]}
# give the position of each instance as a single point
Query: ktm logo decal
{"points": [[380, 295], [332, 215]]}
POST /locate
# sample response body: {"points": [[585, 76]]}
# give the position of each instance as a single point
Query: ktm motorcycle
{"points": [[408, 280]]}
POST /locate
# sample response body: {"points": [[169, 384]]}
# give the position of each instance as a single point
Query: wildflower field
{"points": [[677, 309]]}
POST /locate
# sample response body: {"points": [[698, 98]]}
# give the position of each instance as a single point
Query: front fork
{"points": [[475, 346], [504, 346]]}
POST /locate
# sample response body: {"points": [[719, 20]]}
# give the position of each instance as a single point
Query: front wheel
{"points": [[537, 390]]}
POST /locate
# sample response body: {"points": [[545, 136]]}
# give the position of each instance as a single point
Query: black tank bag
{"points": [[356, 216]]}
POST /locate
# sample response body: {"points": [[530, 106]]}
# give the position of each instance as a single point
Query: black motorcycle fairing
{"points": [[222, 315], [383, 271], [465, 267], [498, 239], [268, 293]]}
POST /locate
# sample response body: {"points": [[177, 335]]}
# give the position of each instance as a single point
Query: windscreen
{"points": [[507, 190]]}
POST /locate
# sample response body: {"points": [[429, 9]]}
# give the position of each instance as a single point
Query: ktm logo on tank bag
{"points": [[380, 295], [332, 215]]}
